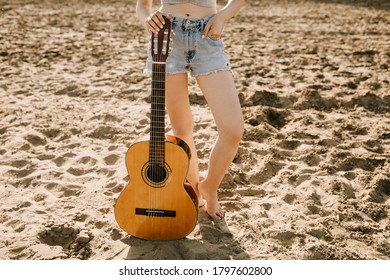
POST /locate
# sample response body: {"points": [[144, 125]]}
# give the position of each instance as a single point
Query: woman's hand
{"points": [[155, 22], [215, 26]]}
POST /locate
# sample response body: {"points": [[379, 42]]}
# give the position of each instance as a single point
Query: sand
{"points": [[311, 179]]}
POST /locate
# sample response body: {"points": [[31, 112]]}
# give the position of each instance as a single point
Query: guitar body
{"points": [[165, 210]]}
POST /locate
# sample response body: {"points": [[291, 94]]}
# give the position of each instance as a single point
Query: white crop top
{"points": [[204, 3]]}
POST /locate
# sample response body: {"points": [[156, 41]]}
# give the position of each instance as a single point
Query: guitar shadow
{"points": [[209, 241]]}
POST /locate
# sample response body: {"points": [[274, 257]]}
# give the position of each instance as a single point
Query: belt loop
{"points": [[174, 22], [203, 25]]}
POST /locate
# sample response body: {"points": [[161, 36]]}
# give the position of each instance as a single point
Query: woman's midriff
{"points": [[187, 10]]}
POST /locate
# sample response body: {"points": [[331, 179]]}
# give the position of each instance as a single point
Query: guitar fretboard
{"points": [[157, 116]]}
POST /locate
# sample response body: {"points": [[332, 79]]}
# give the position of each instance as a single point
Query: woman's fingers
{"points": [[214, 27], [155, 22], [206, 29]]}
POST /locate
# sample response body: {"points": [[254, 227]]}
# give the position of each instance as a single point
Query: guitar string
{"points": [[161, 89], [161, 84], [156, 134], [153, 133], [151, 136], [157, 140], [157, 153], [161, 162]]}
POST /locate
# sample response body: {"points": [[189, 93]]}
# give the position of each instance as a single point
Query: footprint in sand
{"points": [[36, 140], [78, 171], [74, 242], [25, 168], [342, 187], [51, 132], [59, 161], [16, 224], [113, 188], [277, 118], [72, 90], [370, 102], [269, 169], [87, 160], [289, 144], [19, 163], [379, 190], [367, 164], [64, 190], [374, 146], [105, 132], [263, 97], [111, 159], [83, 165], [289, 198]]}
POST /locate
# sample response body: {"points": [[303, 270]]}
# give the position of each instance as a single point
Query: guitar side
{"points": [[164, 212]]}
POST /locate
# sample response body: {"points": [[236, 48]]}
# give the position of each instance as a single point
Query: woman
{"points": [[198, 50]]}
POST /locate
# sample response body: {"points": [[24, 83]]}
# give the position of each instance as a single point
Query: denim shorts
{"points": [[192, 53]]}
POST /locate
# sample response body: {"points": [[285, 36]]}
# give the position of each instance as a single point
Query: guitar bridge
{"points": [[155, 212]]}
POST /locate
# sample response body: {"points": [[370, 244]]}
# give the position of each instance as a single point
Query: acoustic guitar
{"points": [[157, 203]]}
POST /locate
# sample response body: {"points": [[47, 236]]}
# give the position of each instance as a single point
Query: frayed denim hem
{"points": [[212, 72], [147, 71]]}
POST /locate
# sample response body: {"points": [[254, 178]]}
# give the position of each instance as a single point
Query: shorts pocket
{"points": [[212, 38]]}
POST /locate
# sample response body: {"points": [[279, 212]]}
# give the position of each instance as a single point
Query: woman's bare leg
{"points": [[221, 95], [180, 115]]}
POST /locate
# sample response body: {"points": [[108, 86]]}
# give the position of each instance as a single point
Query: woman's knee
{"points": [[184, 130], [232, 133]]}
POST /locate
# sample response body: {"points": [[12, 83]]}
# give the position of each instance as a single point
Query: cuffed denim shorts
{"points": [[192, 53]]}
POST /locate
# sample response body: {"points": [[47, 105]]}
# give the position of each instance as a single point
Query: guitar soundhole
{"points": [[156, 173]]}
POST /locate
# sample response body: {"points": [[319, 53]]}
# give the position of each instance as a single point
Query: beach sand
{"points": [[311, 179]]}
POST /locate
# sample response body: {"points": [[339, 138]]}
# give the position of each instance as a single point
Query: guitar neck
{"points": [[157, 116]]}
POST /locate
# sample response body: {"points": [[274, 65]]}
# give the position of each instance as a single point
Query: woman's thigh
{"points": [[222, 97], [178, 104]]}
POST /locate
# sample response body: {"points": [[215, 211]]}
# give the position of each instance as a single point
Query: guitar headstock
{"points": [[160, 45]]}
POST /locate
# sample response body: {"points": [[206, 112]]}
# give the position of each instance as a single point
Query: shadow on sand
{"points": [[213, 241]]}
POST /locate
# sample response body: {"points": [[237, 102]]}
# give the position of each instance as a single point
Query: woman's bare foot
{"points": [[212, 205]]}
